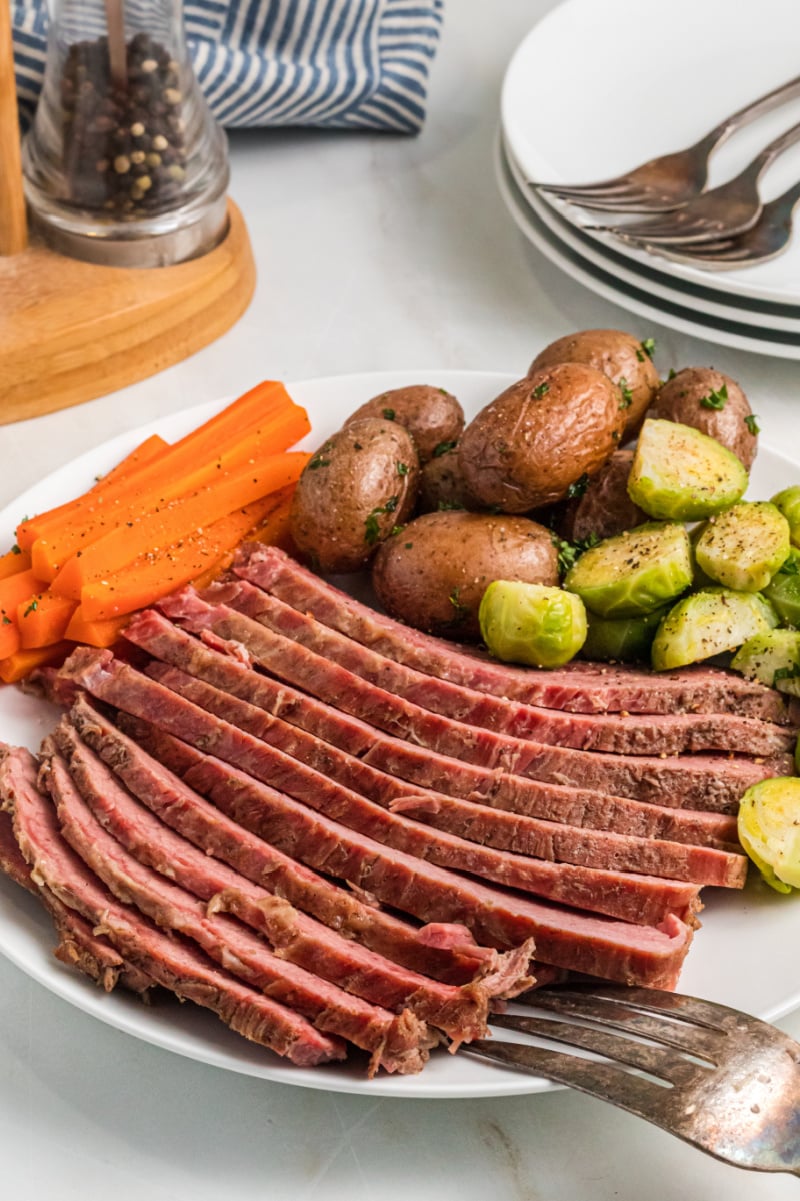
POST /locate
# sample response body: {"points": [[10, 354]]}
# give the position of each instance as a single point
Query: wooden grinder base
{"points": [[71, 331]]}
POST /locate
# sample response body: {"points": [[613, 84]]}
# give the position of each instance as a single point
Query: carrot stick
{"points": [[145, 452], [20, 664], [151, 576], [43, 619], [258, 408], [274, 529], [13, 562], [103, 633], [172, 522], [155, 485]]}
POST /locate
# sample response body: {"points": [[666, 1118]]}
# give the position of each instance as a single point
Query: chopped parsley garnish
{"points": [[541, 391], [6, 620], [627, 395], [389, 414], [751, 421], [715, 400], [444, 505], [570, 552], [786, 673], [789, 567], [32, 607], [578, 487], [442, 449], [372, 529], [461, 610], [15, 550], [402, 468], [649, 348], [318, 460]]}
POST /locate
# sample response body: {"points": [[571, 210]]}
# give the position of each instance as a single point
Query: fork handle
{"points": [[756, 108], [755, 169]]}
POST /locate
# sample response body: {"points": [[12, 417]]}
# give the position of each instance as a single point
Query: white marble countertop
{"points": [[373, 252]]}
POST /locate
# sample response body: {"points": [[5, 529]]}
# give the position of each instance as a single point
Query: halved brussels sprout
{"points": [[773, 658], [788, 501], [783, 590], [682, 475], [743, 547], [709, 623], [624, 639], [769, 830], [634, 573], [531, 623]]}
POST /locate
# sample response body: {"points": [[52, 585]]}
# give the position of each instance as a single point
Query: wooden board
{"points": [[71, 331]]}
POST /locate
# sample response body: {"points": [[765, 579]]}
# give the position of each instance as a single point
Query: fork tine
{"points": [[633, 1093], [603, 188], [658, 1061], [697, 1041], [650, 1000]]}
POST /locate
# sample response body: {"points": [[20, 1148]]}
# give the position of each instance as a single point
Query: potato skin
{"points": [[679, 400], [618, 355], [525, 448], [433, 573], [605, 508], [359, 485], [441, 485], [431, 415]]}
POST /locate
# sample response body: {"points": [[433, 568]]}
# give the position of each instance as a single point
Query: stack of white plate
{"points": [[600, 86]]}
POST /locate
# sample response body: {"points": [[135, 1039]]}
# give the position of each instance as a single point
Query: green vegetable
{"points": [[715, 400], [531, 623], [680, 474], [633, 573], [773, 658], [783, 590], [769, 830], [709, 623], [743, 547], [788, 501], [625, 639]]}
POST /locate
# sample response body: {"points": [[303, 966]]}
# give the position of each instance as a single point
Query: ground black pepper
{"points": [[124, 147]]}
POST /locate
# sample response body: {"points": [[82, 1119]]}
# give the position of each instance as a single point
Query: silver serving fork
{"points": [[767, 239], [721, 1080], [723, 212], [667, 182]]}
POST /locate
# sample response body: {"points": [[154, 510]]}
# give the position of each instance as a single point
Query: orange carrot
{"points": [[102, 633], [199, 557], [145, 452], [43, 619], [20, 664], [13, 562], [170, 523], [274, 529], [267, 404], [51, 551]]}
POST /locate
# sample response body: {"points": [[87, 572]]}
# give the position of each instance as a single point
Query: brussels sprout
{"points": [[633, 573], [626, 639], [531, 623], [683, 475], [773, 658], [769, 830], [783, 590], [788, 501], [743, 547], [708, 623]]}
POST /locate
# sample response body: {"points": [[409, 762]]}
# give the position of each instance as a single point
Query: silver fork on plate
{"points": [[767, 239], [723, 212], [667, 182], [721, 1080]]}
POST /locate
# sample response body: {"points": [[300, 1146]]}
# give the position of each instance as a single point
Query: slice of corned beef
{"points": [[170, 961], [670, 734], [691, 781], [469, 819], [460, 1012], [424, 769], [645, 899], [578, 688]]}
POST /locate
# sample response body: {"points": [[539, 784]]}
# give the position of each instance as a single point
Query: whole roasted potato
{"points": [[605, 508], [714, 404], [360, 484], [432, 416], [433, 573], [540, 438], [441, 485], [618, 355]]}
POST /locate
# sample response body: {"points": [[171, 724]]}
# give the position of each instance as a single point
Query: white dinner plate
{"points": [[702, 301], [597, 88], [743, 956], [640, 300]]}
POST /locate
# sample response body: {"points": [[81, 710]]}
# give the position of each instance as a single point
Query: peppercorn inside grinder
{"points": [[124, 164]]}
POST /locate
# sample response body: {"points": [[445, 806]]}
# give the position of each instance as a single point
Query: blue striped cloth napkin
{"points": [[340, 64]]}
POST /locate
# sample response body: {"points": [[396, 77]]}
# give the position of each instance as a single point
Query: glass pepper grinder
{"points": [[124, 164]]}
